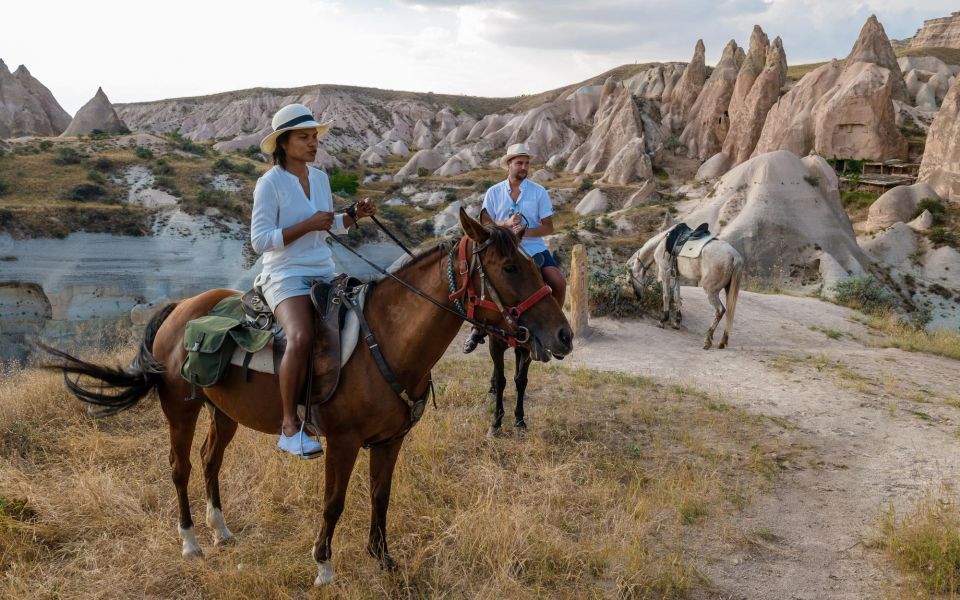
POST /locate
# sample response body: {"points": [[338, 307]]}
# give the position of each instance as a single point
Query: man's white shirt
{"points": [[533, 203]]}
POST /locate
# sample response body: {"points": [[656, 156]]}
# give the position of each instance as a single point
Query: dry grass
{"points": [[897, 334], [611, 494], [951, 56], [796, 72], [925, 543]]}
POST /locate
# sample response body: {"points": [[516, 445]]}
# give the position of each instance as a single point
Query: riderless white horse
{"points": [[718, 267]]}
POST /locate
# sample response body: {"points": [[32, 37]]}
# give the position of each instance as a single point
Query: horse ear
{"points": [[485, 218], [474, 230]]}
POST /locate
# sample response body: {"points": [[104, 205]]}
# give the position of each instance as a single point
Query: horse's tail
{"points": [[733, 290], [117, 389]]}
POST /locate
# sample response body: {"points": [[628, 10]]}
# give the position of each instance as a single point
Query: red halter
{"points": [[471, 301]]}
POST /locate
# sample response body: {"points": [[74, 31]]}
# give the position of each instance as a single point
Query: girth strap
{"points": [[416, 405]]}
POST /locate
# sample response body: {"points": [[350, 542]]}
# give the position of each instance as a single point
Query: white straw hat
{"points": [[288, 118], [514, 151]]}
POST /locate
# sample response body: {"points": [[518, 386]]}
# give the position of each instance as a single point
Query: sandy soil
{"points": [[874, 429]]}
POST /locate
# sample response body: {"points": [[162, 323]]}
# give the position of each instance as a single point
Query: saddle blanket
{"points": [[262, 361], [693, 247]]}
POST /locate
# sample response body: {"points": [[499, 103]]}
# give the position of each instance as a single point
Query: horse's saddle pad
{"points": [[693, 247], [263, 360]]}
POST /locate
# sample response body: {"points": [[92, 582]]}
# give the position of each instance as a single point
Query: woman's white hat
{"points": [[288, 118], [514, 151]]}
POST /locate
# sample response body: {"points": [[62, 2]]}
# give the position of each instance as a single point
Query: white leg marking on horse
{"points": [[324, 573], [215, 521], [191, 549]]}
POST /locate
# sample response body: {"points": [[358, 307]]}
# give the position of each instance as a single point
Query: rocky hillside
{"points": [[27, 107], [938, 33]]}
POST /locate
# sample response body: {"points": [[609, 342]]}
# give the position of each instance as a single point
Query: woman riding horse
{"points": [[292, 211]]}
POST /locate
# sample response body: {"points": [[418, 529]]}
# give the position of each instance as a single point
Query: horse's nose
{"points": [[565, 337]]}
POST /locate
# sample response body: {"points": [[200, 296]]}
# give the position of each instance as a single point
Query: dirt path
{"points": [[876, 428]]}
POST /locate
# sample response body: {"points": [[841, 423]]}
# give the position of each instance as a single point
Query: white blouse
{"points": [[280, 202]]}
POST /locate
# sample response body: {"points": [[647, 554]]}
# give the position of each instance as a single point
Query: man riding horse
{"points": [[523, 206]]}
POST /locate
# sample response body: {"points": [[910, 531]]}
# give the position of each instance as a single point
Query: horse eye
{"points": [[510, 268]]}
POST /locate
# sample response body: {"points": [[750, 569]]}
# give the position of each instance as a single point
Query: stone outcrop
{"points": [[898, 205], [676, 107], [96, 115], [594, 203], [621, 140], [755, 93], [784, 225], [708, 119], [430, 160], [941, 157], [842, 109], [943, 32], [27, 107]]}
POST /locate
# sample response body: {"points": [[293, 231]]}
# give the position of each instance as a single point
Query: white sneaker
{"points": [[300, 444]]}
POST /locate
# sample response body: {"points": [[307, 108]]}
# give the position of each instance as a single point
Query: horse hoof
{"points": [[721, 346], [225, 540], [192, 554], [707, 345], [324, 573], [521, 425], [660, 324], [387, 563], [675, 325], [494, 432]]}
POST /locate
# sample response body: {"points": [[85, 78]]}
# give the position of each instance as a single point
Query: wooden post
{"points": [[577, 291]]}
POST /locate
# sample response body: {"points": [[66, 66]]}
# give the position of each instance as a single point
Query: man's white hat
{"points": [[514, 151], [288, 118]]}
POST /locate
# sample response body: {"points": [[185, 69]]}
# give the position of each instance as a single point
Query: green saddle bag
{"points": [[211, 340]]}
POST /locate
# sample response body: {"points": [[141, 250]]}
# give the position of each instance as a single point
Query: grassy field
{"points": [[613, 493]]}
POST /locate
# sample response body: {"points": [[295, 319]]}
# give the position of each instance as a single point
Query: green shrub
{"points": [[96, 177], [864, 293], [856, 200], [86, 191], [661, 174], [585, 184], [98, 134], [67, 156], [607, 296], [344, 182], [143, 153], [941, 236], [103, 164], [45, 145], [186, 145], [672, 142], [936, 208], [225, 165], [423, 172], [3, 186], [162, 167], [484, 185], [812, 180], [166, 184]]}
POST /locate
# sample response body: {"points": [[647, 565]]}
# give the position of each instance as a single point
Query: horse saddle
{"points": [[337, 329], [686, 242]]}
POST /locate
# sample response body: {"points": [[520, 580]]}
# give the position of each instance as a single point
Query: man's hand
{"points": [[319, 221], [366, 208], [514, 223]]}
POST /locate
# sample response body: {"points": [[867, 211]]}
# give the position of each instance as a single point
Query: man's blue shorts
{"points": [[544, 259]]}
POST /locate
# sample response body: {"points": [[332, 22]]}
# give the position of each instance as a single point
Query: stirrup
{"points": [[473, 340]]}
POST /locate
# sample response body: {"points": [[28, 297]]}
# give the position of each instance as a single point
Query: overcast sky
{"points": [[149, 50]]}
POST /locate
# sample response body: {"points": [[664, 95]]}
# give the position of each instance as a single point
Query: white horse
{"points": [[718, 267]]}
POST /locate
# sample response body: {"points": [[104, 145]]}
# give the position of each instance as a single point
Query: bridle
{"points": [[465, 298], [467, 301]]}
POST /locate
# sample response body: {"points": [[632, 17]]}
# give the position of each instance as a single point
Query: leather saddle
{"points": [[324, 366], [681, 234]]}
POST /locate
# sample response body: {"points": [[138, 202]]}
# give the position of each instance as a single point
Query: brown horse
{"points": [[364, 411]]}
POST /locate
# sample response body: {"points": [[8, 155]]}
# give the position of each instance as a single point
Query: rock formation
{"points": [[784, 225], [430, 160], [621, 142], [941, 157], [96, 115], [676, 107], [898, 205], [842, 109], [594, 203], [943, 32], [27, 107], [708, 119], [755, 93]]}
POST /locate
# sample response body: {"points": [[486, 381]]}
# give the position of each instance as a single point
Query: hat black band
{"points": [[296, 121]]}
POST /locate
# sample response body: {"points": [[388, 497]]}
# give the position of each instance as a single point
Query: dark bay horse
{"points": [[364, 411]]}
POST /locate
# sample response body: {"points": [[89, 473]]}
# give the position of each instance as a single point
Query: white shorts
{"points": [[276, 291]]}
